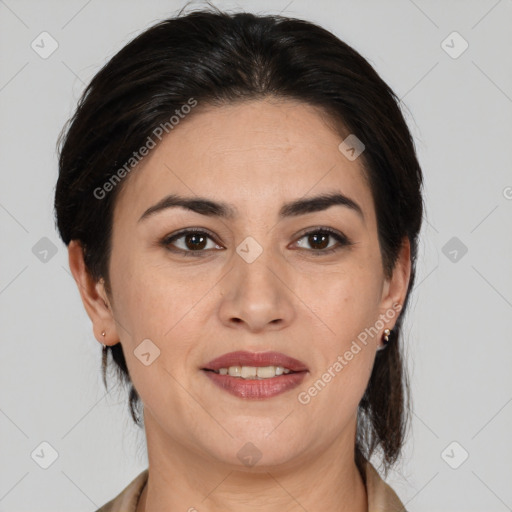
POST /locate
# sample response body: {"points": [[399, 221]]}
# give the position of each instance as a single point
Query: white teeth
{"points": [[266, 372], [249, 372], [235, 371], [253, 372]]}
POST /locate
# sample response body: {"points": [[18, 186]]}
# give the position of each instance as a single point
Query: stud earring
{"points": [[385, 339]]}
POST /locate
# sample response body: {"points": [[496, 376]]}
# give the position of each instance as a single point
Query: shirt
{"points": [[381, 497]]}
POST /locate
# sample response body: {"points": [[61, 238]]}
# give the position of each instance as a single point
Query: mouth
{"points": [[255, 375]]}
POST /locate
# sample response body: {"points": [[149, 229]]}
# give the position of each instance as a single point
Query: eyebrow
{"points": [[223, 210]]}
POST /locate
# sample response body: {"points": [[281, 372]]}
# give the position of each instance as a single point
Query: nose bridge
{"points": [[256, 268], [255, 291]]}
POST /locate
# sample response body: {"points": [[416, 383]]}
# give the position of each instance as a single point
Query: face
{"points": [[304, 281]]}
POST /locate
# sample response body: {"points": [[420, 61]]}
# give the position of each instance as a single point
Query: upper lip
{"points": [[256, 359]]}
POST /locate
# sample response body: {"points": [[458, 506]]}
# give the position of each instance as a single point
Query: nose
{"points": [[255, 295]]}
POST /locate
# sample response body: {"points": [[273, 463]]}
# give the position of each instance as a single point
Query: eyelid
{"points": [[321, 229], [186, 231]]}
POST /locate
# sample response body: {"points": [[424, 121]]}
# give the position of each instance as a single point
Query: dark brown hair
{"points": [[219, 58]]}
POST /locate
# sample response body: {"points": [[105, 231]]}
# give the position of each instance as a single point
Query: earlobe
{"points": [[93, 295]]}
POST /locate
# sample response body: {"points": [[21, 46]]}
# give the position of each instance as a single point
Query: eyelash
{"points": [[342, 240]]}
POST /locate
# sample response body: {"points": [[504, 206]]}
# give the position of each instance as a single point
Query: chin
{"points": [[260, 450]]}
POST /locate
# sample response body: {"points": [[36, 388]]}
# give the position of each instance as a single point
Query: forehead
{"points": [[255, 154]]}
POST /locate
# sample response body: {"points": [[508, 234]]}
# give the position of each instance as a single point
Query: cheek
{"points": [[345, 355], [345, 305], [152, 306], [154, 303], [345, 302], [148, 300]]}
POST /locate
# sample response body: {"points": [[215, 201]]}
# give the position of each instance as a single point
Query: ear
{"points": [[394, 290], [94, 296]]}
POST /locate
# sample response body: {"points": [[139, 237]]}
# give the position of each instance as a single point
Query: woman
{"points": [[241, 200]]}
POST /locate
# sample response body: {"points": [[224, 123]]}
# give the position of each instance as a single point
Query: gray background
{"points": [[459, 345]]}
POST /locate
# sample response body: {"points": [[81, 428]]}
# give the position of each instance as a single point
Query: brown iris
{"points": [[195, 241], [315, 243]]}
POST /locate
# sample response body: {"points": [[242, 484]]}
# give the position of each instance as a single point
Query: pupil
{"points": [[315, 243], [194, 245]]}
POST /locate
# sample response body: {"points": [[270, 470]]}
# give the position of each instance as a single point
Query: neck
{"points": [[180, 479]]}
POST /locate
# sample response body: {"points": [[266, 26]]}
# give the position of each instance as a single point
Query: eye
{"points": [[191, 241], [319, 238], [194, 242]]}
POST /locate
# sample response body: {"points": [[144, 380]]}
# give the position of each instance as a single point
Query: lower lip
{"points": [[254, 388]]}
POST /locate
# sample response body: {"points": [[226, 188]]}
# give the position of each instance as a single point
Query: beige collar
{"points": [[381, 497]]}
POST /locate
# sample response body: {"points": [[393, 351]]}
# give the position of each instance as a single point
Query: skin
{"points": [[255, 156]]}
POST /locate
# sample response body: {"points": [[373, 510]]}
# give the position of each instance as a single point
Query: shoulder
{"points": [[126, 500], [381, 497]]}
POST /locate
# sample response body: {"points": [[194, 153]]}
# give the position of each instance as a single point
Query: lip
{"points": [[256, 388], [256, 359]]}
